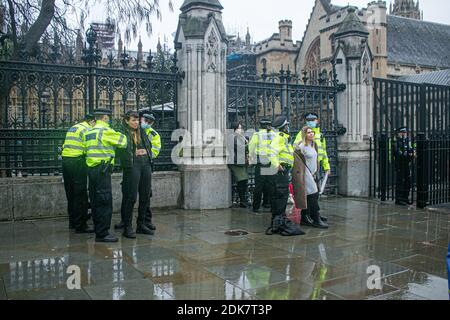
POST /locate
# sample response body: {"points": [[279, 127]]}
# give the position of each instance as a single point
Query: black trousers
{"points": [[75, 185], [137, 179], [262, 186], [403, 182], [313, 210], [280, 193], [100, 191]]}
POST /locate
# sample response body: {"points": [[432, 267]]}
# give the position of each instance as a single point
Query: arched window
{"points": [[312, 62]]}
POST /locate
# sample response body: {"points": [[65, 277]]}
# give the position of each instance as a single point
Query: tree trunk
{"points": [[39, 26]]}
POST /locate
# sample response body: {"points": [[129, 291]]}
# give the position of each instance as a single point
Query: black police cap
{"points": [[265, 122], [101, 112], [89, 117], [149, 116], [280, 122], [402, 130], [312, 116]]}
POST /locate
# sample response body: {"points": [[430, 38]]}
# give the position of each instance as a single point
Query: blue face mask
{"points": [[145, 126], [311, 124]]}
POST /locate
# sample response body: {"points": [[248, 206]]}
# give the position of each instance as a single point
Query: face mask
{"points": [[311, 124], [239, 131], [145, 126]]}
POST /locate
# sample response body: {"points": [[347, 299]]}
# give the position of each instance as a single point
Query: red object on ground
{"points": [[296, 214]]}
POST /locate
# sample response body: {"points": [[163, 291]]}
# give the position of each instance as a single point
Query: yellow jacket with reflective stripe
{"points": [[282, 151], [155, 139], [259, 144], [100, 143], [321, 145], [74, 145]]}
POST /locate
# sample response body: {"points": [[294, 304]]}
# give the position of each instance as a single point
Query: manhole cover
{"points": [[236, 233]]}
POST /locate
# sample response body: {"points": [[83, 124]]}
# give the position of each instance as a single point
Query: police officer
{"points": [[312, 121], [75, 175], [282, 161], [101, 142], [259, 150], [403, 156], [148, 124]]}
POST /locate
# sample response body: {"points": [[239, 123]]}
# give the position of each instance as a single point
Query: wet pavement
{"points": [[192, 258]]}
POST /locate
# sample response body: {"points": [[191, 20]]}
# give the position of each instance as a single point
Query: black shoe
{"points": [[144, 230], [307, 221], [324, 219], [119, 226], [85, 230], [129, 233], [150, 226], [401, 203], [244, 205], [320, 224], [108, 239]]}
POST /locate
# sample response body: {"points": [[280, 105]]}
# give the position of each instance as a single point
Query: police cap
{"points": [[149, 116], [280, 122], [101, 112], [89, 117], [312, 116], [402, 130], [265, 122]]}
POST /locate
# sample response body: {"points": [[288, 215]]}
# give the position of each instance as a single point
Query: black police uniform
{"points": [[403, 157]]}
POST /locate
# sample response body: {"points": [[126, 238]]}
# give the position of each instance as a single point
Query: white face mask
{"points": [[239, 131]]}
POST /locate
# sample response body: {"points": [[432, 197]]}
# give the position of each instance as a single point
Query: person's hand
{"points": [[280, 168], [140, 152], [327, 172]]}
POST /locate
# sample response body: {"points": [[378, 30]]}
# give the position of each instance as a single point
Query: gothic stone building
{"points": [[400, 43]]}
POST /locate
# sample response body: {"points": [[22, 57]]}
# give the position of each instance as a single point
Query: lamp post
{"points": [[91, 56]]}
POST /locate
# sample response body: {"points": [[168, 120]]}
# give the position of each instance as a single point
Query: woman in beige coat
{"points": [[306, 192]]}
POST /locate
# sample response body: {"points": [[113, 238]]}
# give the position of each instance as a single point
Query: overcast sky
{"points": [[262, 16]]}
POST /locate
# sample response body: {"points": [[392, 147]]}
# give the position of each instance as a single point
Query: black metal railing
{"points": [[425, 110], [38, 152], [252, 98]]}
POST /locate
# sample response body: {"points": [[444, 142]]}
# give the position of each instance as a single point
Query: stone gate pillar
{"points": [[201, 44], [353, 60]]}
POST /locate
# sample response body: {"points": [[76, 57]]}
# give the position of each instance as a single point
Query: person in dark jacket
{"points": [[136, 163], [238, 151], [403, 156]]}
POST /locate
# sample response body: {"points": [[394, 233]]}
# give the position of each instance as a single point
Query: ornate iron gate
{"points": [[252, 99], [425, 110]]}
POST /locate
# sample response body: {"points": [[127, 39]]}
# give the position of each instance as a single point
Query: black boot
{"points": [[143, 229], [242, 191], [306, 220], [119, 226], [107, 239], [85, 229], [129, 233]]}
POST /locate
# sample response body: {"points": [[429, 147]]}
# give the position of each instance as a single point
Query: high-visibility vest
{"points": [[259, 145], [282, 151], [321, 143], [73, 146], [155, 139], [100, 143]]}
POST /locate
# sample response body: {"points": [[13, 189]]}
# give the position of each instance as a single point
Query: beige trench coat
{"points": [[298, 179]]}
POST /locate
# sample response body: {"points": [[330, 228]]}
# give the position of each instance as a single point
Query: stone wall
{"points": [[44, 197]]}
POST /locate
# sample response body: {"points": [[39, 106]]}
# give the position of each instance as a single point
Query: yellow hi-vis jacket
{"points": [[73, 146], [100, 143], [282, 152], [259, 146], [321, 145], [155, 139]]}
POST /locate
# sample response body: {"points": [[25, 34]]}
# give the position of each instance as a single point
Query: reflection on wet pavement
{"points": [[191, 257]]}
